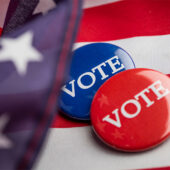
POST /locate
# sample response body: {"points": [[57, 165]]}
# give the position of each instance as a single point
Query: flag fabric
{"points": [[142, 28], [33, 59]]}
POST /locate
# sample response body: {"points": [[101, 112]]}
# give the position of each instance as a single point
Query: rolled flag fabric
{"points": [[33, 59], [18, 13]]}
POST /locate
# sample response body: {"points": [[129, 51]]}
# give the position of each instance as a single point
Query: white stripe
{"points": [[44, 6], [147, 52], [79, 148], [94, 3]]}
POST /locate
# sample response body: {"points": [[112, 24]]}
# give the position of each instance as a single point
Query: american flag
{"points": [[33, 57], [142, 28]]}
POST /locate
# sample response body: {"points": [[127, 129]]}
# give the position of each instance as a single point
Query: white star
{"points": [[5, 143], [20, 51]]}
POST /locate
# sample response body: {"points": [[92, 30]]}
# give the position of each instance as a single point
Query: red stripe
{"points": [[0, 31], [165, 168], [64, 122], [125, 19]]}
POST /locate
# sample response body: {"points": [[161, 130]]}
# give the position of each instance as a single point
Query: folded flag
{"points": [[33, 59]]}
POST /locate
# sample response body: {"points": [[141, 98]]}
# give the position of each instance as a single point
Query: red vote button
{"points": [[131, 110]]}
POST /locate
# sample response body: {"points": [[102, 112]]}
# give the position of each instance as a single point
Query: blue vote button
{"points": [[91, 66]]}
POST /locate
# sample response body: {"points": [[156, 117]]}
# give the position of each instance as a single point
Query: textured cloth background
{"points": [[142, 28]]}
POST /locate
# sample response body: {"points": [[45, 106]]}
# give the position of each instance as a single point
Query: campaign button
{"points": [[91, 66], [131, 110]]}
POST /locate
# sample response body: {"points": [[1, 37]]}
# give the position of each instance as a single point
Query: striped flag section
{"points": [[125, 19], [142, 28]]}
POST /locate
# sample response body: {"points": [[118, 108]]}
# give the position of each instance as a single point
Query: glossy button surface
{"points": [[131, 111], [91, 66]]}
